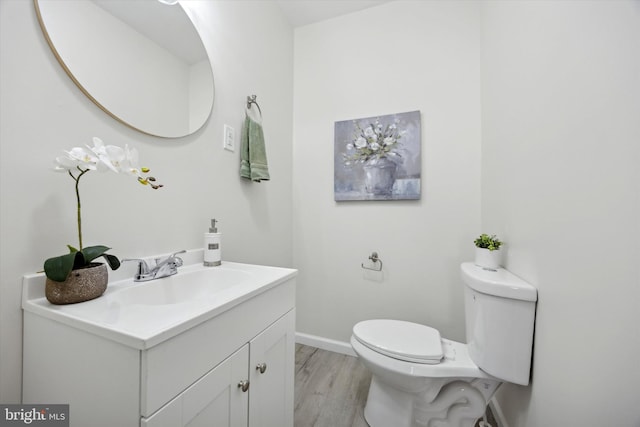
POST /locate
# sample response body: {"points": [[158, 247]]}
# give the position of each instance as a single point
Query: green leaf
{"points": [[79, 260], [488, 242], [113, 261], [92, 252], [58, 268]]}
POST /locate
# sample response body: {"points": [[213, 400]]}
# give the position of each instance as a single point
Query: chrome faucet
{"points": [[163, 268]]}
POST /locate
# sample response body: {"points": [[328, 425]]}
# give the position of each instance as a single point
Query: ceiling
{"points": [[303, 12], [297, 12]]}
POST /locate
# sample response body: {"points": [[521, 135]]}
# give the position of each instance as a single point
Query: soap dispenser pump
{"points": [[212, 250]]}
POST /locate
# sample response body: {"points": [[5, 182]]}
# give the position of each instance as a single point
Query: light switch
{"points": [[229, 138]]}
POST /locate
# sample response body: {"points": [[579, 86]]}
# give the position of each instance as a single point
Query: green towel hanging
{"points": [[253, 153]]}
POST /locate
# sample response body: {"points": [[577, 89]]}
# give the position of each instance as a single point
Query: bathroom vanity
{"points": [[209, 346]]}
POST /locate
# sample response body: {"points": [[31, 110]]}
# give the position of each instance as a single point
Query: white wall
{"points": [[42, 112], [397, 57], [561, 184]]}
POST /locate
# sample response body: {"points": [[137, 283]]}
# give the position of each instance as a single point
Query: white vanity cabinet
{"points": [[241, 391], [231, 365], [271, 374], [213, 400]]}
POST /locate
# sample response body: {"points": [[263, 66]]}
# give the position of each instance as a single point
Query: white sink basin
{"points": [[143, 314], [184, 287]]}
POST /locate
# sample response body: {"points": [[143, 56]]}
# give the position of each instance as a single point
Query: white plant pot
{"points": [[488, 259]]}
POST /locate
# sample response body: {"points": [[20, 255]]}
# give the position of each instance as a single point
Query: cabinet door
{"points": [[213, 400], [271, 369]]}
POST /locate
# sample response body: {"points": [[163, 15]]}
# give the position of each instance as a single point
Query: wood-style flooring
{"points": [[331, 389]]}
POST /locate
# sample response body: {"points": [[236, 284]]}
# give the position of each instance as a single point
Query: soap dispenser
{"points": [[212, 250]]}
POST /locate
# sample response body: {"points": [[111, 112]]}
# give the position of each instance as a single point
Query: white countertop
{"points": [[144, 314]]}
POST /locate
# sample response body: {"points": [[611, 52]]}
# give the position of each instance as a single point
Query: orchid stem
{"points": [[77, 180]]}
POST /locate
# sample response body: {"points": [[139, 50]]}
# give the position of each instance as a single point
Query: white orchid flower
{"points": [[110, 156], [389, 140], [131, 166], [77, 157], [130, 162], [103, 157], [375, 146], [65, 164]]}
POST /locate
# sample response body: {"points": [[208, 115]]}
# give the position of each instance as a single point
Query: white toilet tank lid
{"points": [[401, 340], [500, 282]]}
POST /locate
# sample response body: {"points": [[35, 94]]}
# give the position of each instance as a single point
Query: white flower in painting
{"points": [[361, 142], [373, 141], [369, 133]]}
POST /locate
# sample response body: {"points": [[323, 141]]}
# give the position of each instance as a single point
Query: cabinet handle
{"points": [[244, 385], [261, 367]]}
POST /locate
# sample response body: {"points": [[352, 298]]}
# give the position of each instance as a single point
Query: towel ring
{"points": [[376, 260], [252, 100]]}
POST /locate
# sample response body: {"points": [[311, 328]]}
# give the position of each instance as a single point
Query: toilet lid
{"points": [[401, 340]]}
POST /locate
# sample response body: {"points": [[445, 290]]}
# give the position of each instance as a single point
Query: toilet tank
{"points": [[499, 314]]}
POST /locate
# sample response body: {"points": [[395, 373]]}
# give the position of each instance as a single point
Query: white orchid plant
{"points": [[77, 162], [372, 142]]}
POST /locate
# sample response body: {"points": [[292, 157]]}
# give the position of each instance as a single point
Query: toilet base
{"points": [[387, 406], [458, 404]]}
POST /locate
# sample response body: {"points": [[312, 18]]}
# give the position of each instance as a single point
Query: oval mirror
{"points": [[141, 61]]}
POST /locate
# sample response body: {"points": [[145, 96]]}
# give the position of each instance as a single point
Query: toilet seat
{"points": [[455, 364], [401, 340]]}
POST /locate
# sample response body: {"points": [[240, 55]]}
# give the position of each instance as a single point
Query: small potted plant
{"points": [[488, 253], [75, 277]]}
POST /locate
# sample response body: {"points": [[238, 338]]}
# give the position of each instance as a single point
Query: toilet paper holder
{"points": [[376, 261]]}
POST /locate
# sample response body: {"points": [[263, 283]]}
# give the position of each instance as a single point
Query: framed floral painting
{"points": [[378, 158]]}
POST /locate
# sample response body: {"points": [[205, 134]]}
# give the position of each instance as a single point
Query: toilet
{"points": [[422, 379]]}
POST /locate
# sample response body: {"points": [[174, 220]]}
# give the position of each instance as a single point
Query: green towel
{"points": [[253, 154]]}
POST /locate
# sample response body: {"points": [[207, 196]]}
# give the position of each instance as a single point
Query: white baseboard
{"points": [[497, 413], [325, 343]]}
